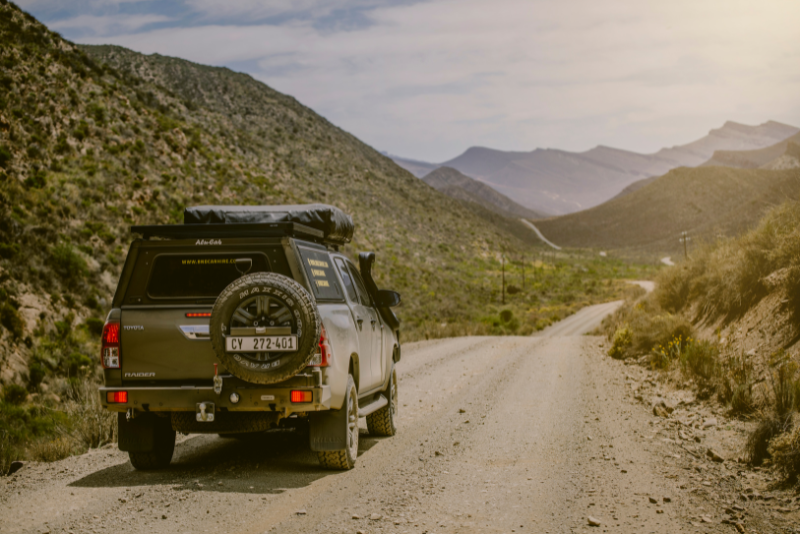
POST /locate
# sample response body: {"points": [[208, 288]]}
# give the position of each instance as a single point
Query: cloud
{"points": [[91, 25], [428, 79]]}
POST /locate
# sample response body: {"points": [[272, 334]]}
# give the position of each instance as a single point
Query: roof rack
{"points": [[194, 231]]}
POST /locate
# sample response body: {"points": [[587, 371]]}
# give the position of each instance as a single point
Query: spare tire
{"points": [[265, 304]]}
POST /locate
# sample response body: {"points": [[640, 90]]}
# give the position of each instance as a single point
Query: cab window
{"points": [[347, 280], [361, 289]]}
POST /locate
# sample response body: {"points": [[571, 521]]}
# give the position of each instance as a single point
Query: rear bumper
{"points": [[251, 399]]}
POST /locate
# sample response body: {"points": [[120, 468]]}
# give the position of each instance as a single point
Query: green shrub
{"points": [[12, 320], [700, 359], [36, 375], [14, 394], [94, 326], [8, 250], [68, 263], [77, 364], [623, 339], [5, 156]]}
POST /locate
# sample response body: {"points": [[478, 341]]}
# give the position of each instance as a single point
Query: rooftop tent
{"points": [[336, 225]]}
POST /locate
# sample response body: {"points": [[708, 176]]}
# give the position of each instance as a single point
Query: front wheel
{"points": [[345, 459], [383, 422]]}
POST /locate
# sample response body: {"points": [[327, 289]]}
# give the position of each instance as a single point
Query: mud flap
{"points": [[139, 434], [328, 430]]}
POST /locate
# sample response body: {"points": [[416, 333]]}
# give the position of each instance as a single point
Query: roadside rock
{"points": [[15, 466], [593, 522], [714, 456], [710, 422]]}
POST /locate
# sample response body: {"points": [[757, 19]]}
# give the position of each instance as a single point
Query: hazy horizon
{"points": [[425, 80]]}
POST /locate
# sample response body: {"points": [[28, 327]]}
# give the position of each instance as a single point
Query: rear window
{"points": [[319, 269], [198, 275]]}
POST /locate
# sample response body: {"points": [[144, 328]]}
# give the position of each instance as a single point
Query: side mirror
{"points": [[387, 299]]}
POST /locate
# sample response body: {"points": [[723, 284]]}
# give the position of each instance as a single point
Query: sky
{"points": [[428, 79]]}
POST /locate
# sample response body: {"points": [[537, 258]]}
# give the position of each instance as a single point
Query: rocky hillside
{"points": [[708, 202], [461, 187], [92, 145]]}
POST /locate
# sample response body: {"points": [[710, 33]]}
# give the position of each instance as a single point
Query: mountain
{"points": [[558, 181], [93, 143], [751, 159], [456, 185], [777, 156], [707, 202]]}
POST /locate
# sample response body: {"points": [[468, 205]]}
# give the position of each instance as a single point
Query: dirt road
{"points": [[505, 434]]}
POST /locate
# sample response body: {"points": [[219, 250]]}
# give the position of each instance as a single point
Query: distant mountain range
{"points": [[723, 197], [782, 155], [558, 181], [454, 184]]}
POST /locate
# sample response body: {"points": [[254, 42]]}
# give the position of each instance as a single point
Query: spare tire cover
{"points": [[265, 304]]}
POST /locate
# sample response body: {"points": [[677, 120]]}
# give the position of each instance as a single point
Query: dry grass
{"points": [[51, 450], [785, 452]]}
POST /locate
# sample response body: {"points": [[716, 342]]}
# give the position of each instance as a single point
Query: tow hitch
{"points": [[205, 412]]}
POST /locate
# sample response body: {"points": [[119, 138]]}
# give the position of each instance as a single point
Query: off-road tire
{"points": [[345, 459], [305, 320], [163, 449], [383, 422]]}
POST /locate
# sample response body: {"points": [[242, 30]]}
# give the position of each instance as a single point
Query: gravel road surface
{"points": [[496, 434]]}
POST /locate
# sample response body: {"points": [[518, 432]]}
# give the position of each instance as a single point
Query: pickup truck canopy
{"points": [[336, 226]]}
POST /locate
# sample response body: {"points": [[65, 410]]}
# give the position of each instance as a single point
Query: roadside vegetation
{"points": [[719, 285], [555, 287]]}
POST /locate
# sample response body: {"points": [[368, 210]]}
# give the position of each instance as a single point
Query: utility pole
{"points": [[503, 267], [684, 238]]}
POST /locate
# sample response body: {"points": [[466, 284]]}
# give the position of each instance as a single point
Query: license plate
{"points": [[260, 343]]}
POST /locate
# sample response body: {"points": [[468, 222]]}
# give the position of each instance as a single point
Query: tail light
{"points": [[324, 354], [117, 397], [300, 396], [109, 352]]}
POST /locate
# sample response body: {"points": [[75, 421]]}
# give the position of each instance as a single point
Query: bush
{"points": [[700, 359], [8, 250], [784, 385], [736, 385], [14, 394], [785, 452], [757, 447], [68, 263], [11, 319], [5, 156], [94, 326], [623, 339]]}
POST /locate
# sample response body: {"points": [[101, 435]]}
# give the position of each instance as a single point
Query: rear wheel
{"points": [[346, 458], [163, 448], [383, 422]]}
